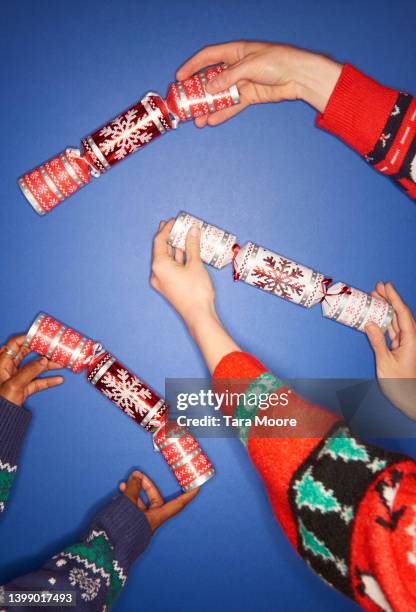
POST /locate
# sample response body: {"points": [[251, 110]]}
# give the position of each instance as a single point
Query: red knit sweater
{"points": [[376, 121], [348, 508]]}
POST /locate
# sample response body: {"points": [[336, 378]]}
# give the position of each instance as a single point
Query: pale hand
{"points": [[265, 72], [396, 366]]}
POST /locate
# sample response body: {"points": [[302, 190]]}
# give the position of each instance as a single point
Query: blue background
{"points": [[269, 176]]}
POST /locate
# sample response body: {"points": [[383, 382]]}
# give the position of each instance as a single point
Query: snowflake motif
{"points": [[89, 587], [52, 580], [126, 391], [61, 562], [125, 134], [279, 277]]}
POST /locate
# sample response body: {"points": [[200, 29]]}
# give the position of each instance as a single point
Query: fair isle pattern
{"points": [[7, 475], [97, 555], [265, 384], [324, 494]]}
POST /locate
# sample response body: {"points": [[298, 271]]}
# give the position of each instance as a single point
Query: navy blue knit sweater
{"points": [[96, 567]]}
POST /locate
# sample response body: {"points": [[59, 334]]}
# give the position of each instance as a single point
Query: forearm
{"points": [[95, 568], [210, 336], [14, 421]]}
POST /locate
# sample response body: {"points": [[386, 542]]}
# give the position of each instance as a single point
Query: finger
{"points": [[152, 493], [30, 371], [176, 505], [41, 384], [405, 318], [179, 256], [122, 486], [201, 122], [160, 242], [213, 54], [377, 340], [230, 76], [15, 344], [193, 245], [392, 335], [133, 489], [380, 294]]}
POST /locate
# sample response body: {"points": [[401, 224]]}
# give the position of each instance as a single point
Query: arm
{"points": [[97, 566], [17, 384], [345, 506], [376, 121]]}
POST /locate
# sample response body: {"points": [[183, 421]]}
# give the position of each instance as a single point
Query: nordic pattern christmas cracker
{"points": [[189, 99], [216, 244], [279, 275], [46, 186], [60, 344], [184, 456], [128, 132], [356, 308], [128, 392]]}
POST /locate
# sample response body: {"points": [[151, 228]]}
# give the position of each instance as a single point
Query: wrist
{"points": [[316, 77], [199, 317]]}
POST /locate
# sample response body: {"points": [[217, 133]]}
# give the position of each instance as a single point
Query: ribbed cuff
{"points": [[127, 527], [14, 421], [238, 365], [357, 110]]}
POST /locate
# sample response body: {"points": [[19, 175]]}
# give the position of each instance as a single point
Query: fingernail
{"points": [[43, 361], [194, 231]]}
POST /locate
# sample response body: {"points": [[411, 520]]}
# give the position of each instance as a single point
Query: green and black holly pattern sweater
{"points": [[96, 567]]}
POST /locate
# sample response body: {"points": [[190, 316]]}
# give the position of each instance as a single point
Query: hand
{"points": [[180, 276], [157, 511], [17, 384], [265, 72], [183, 280], [396, 367]]}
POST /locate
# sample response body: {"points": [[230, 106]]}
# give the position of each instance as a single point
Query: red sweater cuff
{"points": [[357, 110], [239, 365]]}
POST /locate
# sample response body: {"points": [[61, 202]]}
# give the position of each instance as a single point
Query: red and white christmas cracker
{"points": [[71, 350], [216, 244], [184, 456], [189, 99], [55, 180], [128, 392], [60, 344], [281, 276]]}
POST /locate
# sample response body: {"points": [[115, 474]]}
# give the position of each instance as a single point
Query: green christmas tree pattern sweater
{"points": [[96, 567], [347, 507]]}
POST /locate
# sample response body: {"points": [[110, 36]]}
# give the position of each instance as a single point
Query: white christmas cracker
{"points": [[216, 244], [284, 277]]}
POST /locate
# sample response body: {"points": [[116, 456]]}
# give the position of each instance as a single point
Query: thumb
{"points": [[229, 77], [377, 340], [193, 244]]}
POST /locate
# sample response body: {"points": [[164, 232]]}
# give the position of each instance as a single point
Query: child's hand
{"points": [[396, 367], [181, 277], [264, 72], [157, 511], [17, 384]]}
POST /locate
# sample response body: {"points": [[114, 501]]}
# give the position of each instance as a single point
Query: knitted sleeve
{"points": [[96, 567], [14, 422], [376, 121], [348, 508]]}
